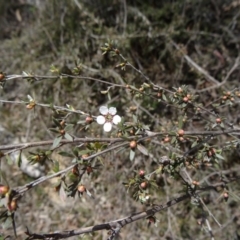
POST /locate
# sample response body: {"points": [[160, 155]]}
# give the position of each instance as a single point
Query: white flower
{"points": [[108, 117]]}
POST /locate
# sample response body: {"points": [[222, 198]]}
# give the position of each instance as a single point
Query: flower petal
{"points": [[116, 119], [112, 110], [101, 120], [103, 110], [107, 127]]}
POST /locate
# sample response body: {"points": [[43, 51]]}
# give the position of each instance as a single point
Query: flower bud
{"points": [[75, 171], [4, 190], [166, 139], [81, 189], [133, 144], [144, 185], [218, 120], [141, 173], [89, 120], [180, 132], [117, 51], [12, 206], [2, 76], [89, 169], [225, 196]]}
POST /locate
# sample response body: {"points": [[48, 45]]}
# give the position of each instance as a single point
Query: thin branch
{"points": [[195, 65], [116, 224], [112, 225], [137, 70], [62, 142], [38, 78], [234, 67], [124, 17], [20, 146], [48, 106]]}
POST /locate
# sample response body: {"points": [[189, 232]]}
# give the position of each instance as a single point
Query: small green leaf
{"points": [[3, 203], [180, 123], [164, 97], [132, 155], [81, 122], [65, 154], [7, 223], [25, 73], [194, 144], [214, 125], [48, 152], [3, 176], [89, 194], [54, 130], [109, 96], [219, 156], [32, 153], [105, 91], [56, 142], [56, 122], [19, 159], [85, 151], [68, 137], [153, 184], [135, 118], [69, 127], [30, 98], [62, 193], [70, 107], [173, 140], [54, 69], [142, 149], [9, 159], [74, 160], [56, 166]]}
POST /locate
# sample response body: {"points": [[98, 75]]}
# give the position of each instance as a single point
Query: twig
{"points": [[195, 65], [234, 67], [38, 78], [115, 140], [209, 212], [209, 229], [124, 17], [116, 224], [48, 106], [113, 225]]}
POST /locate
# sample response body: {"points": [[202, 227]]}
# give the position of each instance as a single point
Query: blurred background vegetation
{"points": [[36, 35]]}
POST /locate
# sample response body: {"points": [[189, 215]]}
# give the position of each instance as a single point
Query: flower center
{"points": [[109, 118]]}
